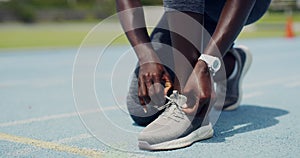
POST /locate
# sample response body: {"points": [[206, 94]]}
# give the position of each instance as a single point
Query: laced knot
{"points": [[172, 109]]}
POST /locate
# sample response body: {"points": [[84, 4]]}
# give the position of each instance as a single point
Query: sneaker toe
{"points": [[155, 134]]}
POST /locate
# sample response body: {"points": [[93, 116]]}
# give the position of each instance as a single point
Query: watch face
{"points": [[215, 64]]}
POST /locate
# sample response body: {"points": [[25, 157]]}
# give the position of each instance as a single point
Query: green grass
{"points": [[278, 17], [17, 35], [271, 25], [49, 35], [37, 35], [262, 34], [22, 38]]}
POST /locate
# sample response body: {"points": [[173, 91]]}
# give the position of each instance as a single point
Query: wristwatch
{"points": [[213, 63]]}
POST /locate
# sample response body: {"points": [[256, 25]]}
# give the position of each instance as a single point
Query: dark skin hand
{"points": [[152, 73], [199, 85], [150, 77], [200, 95]]}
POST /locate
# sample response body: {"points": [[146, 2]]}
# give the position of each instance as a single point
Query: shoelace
{"points": [[176, 114], [169, 103]]}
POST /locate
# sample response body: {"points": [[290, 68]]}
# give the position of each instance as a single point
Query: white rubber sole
{"points": [[246, 67], [201, 133]]}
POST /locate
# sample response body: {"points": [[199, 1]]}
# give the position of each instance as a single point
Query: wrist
{"points": [[213, 63], [148, 58], [145, 54], [201, 67]]}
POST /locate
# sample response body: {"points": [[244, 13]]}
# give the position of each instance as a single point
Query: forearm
{"points": [[232, 20], [132, 19]]}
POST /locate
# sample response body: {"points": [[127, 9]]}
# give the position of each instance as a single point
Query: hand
{"points": [[198, 89], [150, 79]]}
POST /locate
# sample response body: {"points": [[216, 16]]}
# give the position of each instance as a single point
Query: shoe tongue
{"points": [[181, 100]]}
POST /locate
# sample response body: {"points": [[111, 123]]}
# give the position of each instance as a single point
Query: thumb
{"points": [[189, 110], [196, 107]]}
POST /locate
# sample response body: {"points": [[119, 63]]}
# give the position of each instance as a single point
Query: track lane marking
{"points": [[25, 151], [58, 116], [50, 145], [293, 84]]}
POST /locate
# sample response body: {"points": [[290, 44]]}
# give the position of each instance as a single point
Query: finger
{"points": [[141, 99], [192, 101], [147, 99], [191, 105], [197, 107], [159, 90], [166, 76], [141, 91], [148, 89], [203, 101], [190, 110], [142, 102], [157, 85]]}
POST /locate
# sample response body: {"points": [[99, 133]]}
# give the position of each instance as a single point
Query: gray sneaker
{"points": [[173, 128], [233, 90]]}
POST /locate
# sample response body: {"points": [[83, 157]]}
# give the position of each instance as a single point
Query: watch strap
{"points": [[213, 63]]}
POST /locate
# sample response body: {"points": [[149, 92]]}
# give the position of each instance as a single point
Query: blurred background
{"points": [[60, 23], [39, 41]]}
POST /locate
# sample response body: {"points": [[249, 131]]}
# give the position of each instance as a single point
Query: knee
{"points": [[138, 115], [142, 121], [141, 118]]}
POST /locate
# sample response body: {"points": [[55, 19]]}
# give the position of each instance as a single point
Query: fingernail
{"points": [[145, 108]]}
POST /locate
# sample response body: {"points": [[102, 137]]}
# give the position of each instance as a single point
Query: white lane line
{"points": [[74, 138], [293, 84], [50, 145], [236, 127], [38, 119], [28, 150], [58, 145], [58, 116]]}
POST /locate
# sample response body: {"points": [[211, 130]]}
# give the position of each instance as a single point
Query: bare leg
{"points": [[188, 53]]}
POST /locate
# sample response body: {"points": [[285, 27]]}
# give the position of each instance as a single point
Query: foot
{"points": [[233, 90], [173, 128]]}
